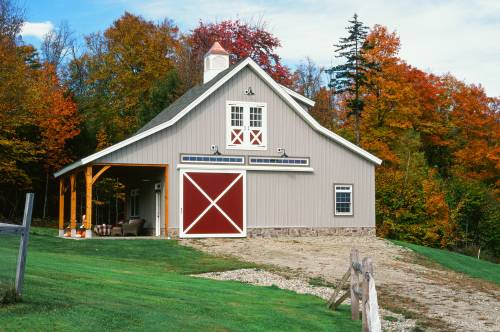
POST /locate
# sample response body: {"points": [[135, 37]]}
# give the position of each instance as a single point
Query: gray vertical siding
{"points": [[275, 199]]}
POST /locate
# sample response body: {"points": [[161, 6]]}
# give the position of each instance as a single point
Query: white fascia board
{"points": [[247, 168], [278, 89], [298, 96]]}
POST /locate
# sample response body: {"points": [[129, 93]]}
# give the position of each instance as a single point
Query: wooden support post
{"points": [[72, 180], [88, 201], [367, 270], [166, 201], [23, 246], [61, 206], [354, 285]]}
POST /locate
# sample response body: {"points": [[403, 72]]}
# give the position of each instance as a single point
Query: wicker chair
{"points": [[134, 227]]}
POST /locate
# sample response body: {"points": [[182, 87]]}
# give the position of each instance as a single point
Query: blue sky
{"points": [[460, 36]]}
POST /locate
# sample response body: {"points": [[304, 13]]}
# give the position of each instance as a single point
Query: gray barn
{"points": [[235, 156]]}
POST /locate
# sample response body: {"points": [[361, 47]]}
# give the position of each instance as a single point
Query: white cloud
{"points": [[460, 37], [36, 29]]}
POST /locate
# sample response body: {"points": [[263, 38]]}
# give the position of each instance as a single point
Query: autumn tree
{"points": [[323, 110], [57, 45], [115, 75], [17, 149], [474, 138], [241, 40], [349, 77], [54, 113], [308, 78]]}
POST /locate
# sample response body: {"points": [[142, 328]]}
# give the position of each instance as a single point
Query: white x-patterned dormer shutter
{"points": [[246, 126]]}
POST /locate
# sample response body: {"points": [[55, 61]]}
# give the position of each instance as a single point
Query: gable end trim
{"points": [[279, 89]]}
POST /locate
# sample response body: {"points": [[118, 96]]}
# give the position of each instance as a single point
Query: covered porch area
{"points": [[114, 200]]}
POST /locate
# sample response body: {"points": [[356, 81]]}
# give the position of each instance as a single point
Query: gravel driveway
{"points": [[439, 299]]}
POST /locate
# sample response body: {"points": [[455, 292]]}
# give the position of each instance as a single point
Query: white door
{"points": [[158, 209]]}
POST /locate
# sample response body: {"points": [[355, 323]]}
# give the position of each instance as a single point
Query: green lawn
{"points": [[145, 285], [461, 263]]}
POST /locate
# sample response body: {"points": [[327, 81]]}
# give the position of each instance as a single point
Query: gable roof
{"points": [[182, 102], [198, 94]]}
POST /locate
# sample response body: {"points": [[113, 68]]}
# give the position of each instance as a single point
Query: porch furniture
{"points": [[116, 231], [103, 230], [134, 227]]}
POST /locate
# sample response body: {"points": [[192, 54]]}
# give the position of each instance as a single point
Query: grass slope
{"points": [[461, 263], [145, 285]]}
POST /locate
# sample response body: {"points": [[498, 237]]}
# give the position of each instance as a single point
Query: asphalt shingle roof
{"points": [[183, 101]]}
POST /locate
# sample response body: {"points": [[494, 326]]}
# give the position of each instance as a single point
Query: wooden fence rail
{"points": [[24, 231], [359, 291]]}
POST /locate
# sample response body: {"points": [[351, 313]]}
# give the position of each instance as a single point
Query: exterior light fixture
{"points": [[282, 152], [215, 149]]}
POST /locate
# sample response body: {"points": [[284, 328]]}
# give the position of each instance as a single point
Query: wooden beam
{"points": [[88, 197], [166, 201], [332, 303], [10, 229], [98, 174], [61, 203], [72, 181], [130, 165]]}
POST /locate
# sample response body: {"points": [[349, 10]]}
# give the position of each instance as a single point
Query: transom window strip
{"points": [[289, 161], [212, 159]]}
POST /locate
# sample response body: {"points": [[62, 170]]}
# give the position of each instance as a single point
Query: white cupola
{"points": [[215, 61]]}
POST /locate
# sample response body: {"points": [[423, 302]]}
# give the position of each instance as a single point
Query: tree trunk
{"points": [[44, 212]]}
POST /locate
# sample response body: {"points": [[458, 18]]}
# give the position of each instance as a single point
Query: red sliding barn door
{"points": [[212, 204]]}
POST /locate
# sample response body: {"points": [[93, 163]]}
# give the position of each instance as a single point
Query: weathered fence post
{"points": [[23, 246], [367, 271], [354, 285], [365, 292]]}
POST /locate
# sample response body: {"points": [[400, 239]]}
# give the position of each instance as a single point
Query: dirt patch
{"points": [[439, 299]]}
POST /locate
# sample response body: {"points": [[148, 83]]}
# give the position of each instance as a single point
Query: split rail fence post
{"points": [[354, 285], [367, 271], [23, 246]]}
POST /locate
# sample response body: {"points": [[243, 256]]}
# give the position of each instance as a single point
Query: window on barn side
{"points": [[246, 126], [343, 200], [134, 203]]}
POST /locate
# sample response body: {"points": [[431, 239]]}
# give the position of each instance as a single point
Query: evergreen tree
{"points": [[349, 77]]}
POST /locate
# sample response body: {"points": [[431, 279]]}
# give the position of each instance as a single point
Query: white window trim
{"points": [[351, 213], [248, 168], [246, 123]]}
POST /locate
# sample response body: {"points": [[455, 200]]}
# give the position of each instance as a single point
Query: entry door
{"points": [[212, 203], [157, 209]]}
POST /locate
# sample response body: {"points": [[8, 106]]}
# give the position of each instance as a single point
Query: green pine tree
{"points": [[349, 77]]}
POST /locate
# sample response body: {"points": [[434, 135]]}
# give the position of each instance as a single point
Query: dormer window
{"points": [[246, 126]]}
